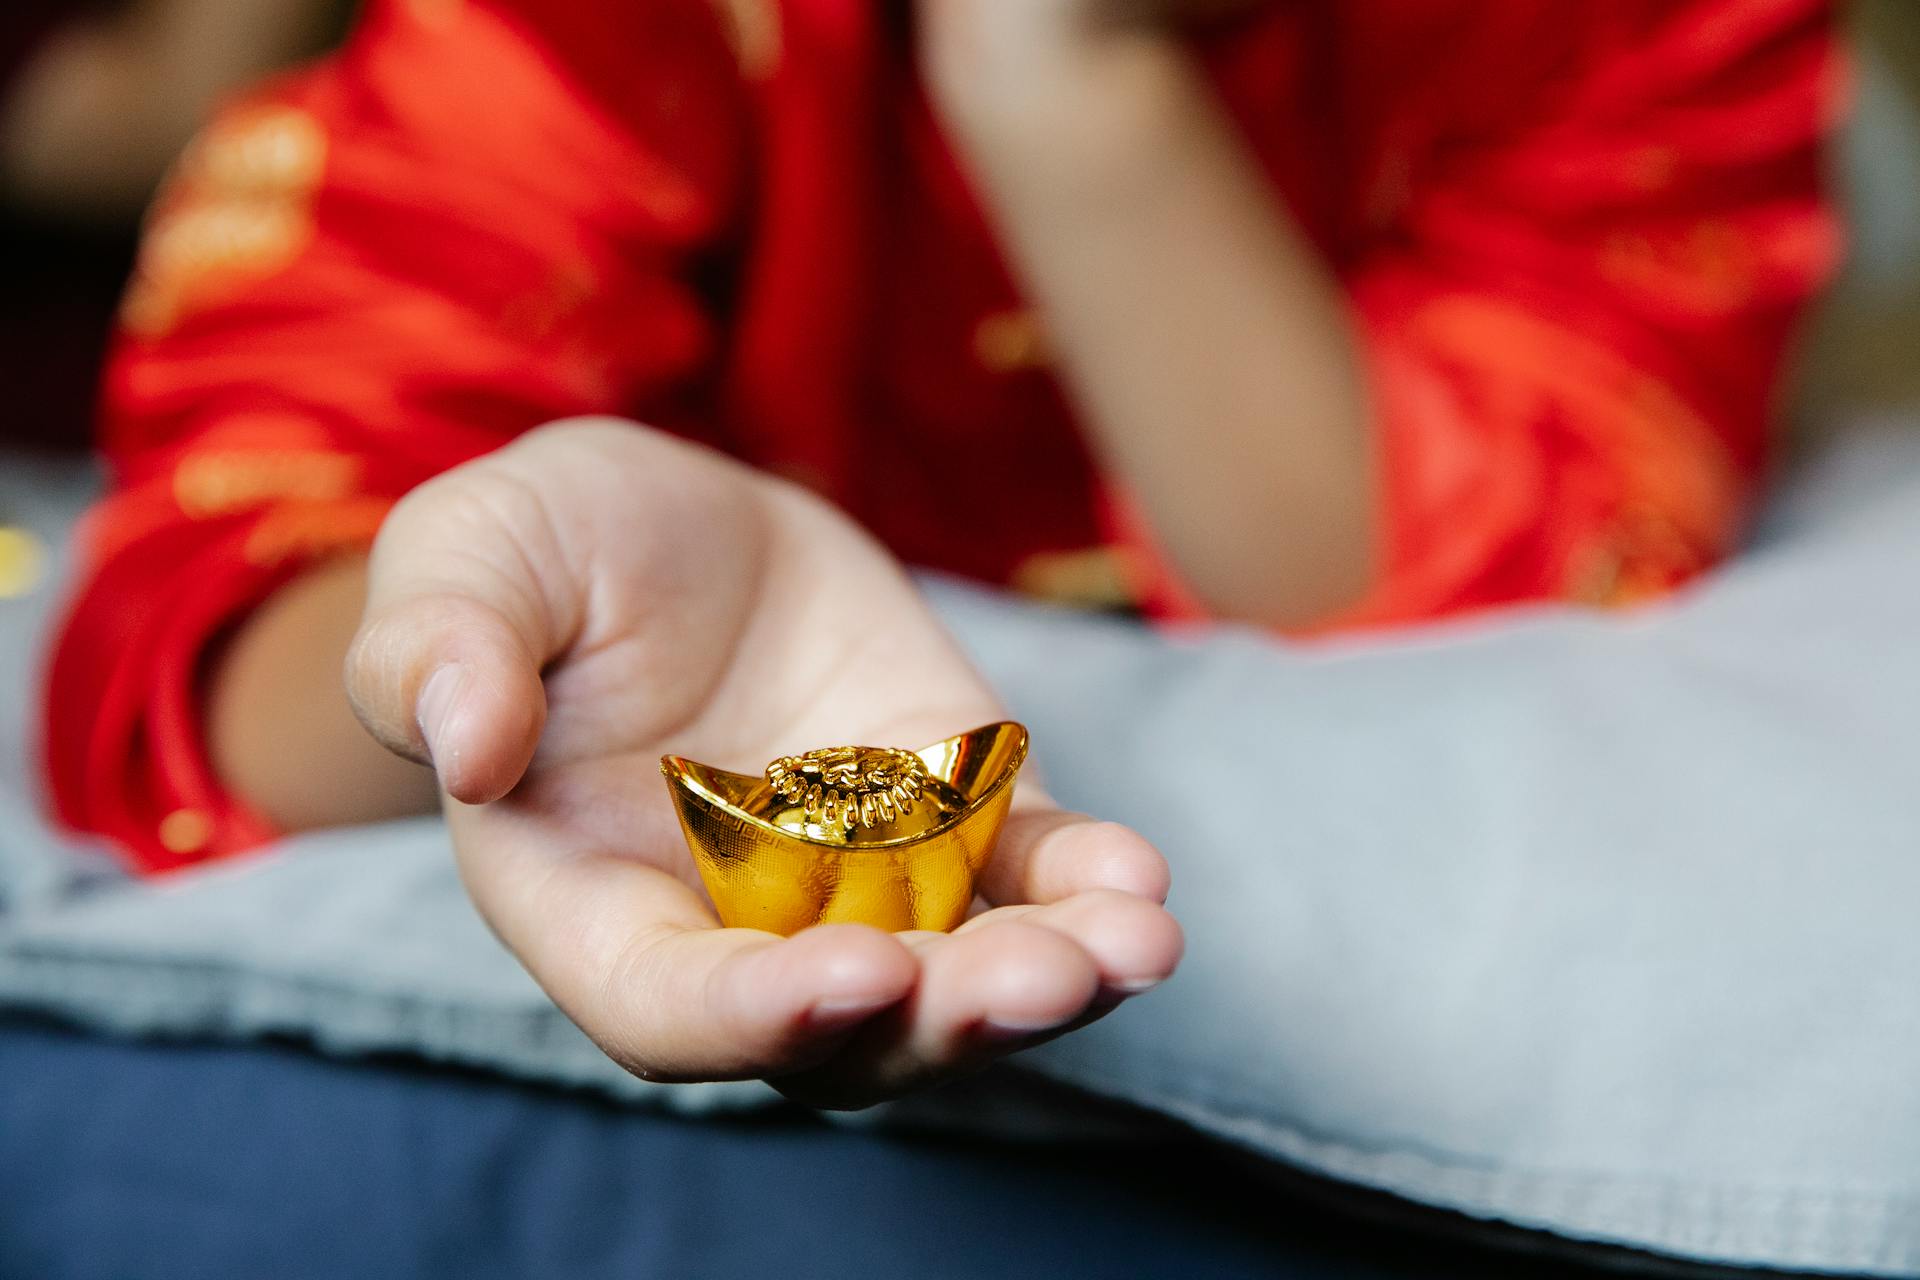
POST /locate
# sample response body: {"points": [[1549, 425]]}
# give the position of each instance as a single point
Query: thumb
{"points": [[446, 666]]}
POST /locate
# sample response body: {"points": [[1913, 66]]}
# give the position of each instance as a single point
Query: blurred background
{"points": [[96, 99], [1862, 355], [98, 96]]}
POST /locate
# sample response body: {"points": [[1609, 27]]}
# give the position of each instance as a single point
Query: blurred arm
{"points": [[1549, 376], [106, 106], [1206, 341], [465, 224], [279, 725]]}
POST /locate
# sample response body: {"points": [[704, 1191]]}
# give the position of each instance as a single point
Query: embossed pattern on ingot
{"points": [[809, 842], [853, 786]]}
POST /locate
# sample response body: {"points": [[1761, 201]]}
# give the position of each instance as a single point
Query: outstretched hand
{"points": [[544, 623]]}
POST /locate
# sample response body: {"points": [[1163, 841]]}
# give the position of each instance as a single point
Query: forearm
{"points": [[280, 731], [109, 102], [1205, 341]]}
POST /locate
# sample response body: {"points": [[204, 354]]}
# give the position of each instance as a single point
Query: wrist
{"points": [[280, 733], [1095, 141], [1060, 96]]}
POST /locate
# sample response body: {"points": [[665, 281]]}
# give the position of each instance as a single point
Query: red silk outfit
{"points": [[1576, 234]]}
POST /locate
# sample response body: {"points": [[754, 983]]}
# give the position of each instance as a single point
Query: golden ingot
{"points": [[870, 835]]}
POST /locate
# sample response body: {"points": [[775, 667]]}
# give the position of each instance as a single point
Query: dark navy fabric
{"points": [[122, 1161]]}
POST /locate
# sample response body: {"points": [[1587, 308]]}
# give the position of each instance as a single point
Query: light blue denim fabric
{"points": [[1601, 924]]}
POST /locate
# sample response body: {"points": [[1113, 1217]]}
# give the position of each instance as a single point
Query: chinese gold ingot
{"points": [[870, 835]]}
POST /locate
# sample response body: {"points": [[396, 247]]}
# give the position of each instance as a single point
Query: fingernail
{"points": [[438, 698], [832, 1015], [998, 1029], [1114, 994]]}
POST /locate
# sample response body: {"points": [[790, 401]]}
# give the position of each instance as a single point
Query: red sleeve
{"points": [[472, 220], [1576, 352], [1576, 303]]}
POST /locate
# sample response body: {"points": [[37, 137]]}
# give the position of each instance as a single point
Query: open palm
{"points": [[544, 623]]}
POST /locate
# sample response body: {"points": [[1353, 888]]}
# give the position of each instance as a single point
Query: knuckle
{"points": [[1022, 942], [627, 1012], [479, 532]]}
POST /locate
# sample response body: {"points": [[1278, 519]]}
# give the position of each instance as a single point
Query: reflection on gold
{"points": [[871, 835]]}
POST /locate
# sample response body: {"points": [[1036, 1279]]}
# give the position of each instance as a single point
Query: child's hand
{"points": [[545, 622]]}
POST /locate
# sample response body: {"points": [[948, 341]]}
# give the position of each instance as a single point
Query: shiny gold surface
{"points": [[871, 835]]}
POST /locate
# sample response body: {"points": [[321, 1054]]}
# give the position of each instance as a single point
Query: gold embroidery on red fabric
{"points": [[1706, 267], [1679, 502], [219, 482], [185, 831], [237, 207], [268, 150], [538, 315], [436, 14], [1641, 558], [1651, 168], [1091, 578], [305, 529]]}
